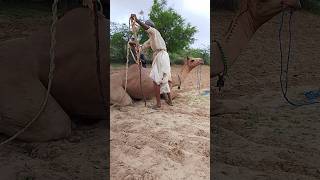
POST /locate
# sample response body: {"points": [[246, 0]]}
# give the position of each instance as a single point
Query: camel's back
{"points": [[133, 86], [75, 84]]}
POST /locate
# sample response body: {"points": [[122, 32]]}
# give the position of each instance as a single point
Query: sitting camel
{"points": [[251, 15], [24, 66], [120, 97]]}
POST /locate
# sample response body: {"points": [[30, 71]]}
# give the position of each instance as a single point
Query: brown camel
{"points": [[75, 90], [119, 96], [251, 15]]}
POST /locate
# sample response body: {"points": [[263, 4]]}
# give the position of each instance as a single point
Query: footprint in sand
{"points": [[176, 155]]}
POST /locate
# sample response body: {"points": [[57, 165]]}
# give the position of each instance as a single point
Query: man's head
{"points": [[149, 23]]}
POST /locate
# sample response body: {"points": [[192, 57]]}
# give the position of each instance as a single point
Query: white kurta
{"points": [[161, 70]]}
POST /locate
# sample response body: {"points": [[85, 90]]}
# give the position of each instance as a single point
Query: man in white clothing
{"points": [[161, 70]]}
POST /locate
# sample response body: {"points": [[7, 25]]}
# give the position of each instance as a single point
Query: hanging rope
{"points": [[50, 75], [198, 74], [100, 5], [134, 29], [284, 74], [98, 59]]}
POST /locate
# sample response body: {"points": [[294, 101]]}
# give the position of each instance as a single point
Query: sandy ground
{"points": [[172, 143], [257, 135], [83, 156]]}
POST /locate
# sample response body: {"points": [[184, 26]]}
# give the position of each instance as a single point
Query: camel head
{"points": [[191, 63]]}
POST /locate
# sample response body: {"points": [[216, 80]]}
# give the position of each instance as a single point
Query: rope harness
{"points": [[198, 75], [50, 75], [132, 24], [311, 96]]}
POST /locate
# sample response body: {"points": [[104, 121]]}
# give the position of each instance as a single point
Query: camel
{"points": [[251, 15], [24, 69], [120, 97]]}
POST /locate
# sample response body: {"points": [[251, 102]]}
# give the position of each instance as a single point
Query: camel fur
{"points": [[251, 15], [24, 69]]}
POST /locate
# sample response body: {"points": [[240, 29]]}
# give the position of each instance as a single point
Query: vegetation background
{"points": [[177, 33]]}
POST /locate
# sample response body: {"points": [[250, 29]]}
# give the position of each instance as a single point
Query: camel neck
{"points": [[177, 79], [239, 33], [235, 40]]}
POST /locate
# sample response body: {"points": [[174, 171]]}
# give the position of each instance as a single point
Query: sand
{"points": [[82, 156], [172, 143], [257, 135]]}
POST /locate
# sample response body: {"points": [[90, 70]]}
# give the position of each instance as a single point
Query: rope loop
{"points": [[284, 73]]}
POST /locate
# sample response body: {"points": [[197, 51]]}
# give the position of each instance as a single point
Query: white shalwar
{"points": [[161, 70]]}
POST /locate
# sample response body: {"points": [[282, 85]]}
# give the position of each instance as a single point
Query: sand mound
{"points": [[171, 143]]}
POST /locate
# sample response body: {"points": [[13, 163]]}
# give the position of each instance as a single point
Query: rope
{"points": [[221, 79], [284, 81], [98, 60], [127, 63], [132, 24], [50, 74], [138, 60], [101, 7], [198, 73]]}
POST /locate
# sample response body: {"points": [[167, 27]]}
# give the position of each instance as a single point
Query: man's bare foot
{"points": [[169, 102], [168, 99], [156, 107]]}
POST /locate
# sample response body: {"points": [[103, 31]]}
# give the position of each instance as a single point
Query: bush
{"points": [[176, 58], [311, 5]]}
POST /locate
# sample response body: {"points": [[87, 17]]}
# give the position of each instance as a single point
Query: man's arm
{"points": [[143, 25], [146, 45]]}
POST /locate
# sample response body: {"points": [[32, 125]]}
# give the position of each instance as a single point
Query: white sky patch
{"points": [[196, 12], [197, 7]]}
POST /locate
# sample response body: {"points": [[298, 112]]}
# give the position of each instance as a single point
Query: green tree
{"points": [[177, 34], [118, 42]]}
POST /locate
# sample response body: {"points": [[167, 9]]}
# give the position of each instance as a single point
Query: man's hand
{"points": [[133, 16], [138, 49], [132, 44]]}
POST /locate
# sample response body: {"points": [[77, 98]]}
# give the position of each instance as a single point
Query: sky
{"points": [[196, 12]]}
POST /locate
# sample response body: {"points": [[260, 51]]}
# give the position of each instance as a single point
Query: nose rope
{"points": [[284, 73], [198, 75]]}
